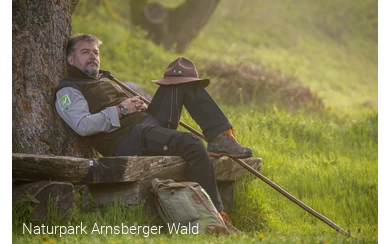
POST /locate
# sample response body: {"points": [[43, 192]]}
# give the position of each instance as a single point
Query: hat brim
{"points": [[171, 80]]}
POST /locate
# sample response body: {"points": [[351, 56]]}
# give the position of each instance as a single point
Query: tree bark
{"points": [[40, 30]]}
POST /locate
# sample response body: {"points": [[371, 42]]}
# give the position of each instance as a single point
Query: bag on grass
{"points": [[186, 206]]}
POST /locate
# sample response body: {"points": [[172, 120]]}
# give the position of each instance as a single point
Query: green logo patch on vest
{"points": [[65, 101]]}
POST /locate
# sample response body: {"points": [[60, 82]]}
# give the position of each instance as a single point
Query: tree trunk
{"points": [[40, 30], [186, 21], [172, 26]]}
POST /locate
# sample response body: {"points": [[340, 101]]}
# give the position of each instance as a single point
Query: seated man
{"points": [[115, 125]]}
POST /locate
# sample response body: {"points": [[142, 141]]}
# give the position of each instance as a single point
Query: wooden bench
{"points": [[108, 179]]}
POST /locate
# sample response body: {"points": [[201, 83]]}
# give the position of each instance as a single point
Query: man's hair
{"points": [[71, 46]]}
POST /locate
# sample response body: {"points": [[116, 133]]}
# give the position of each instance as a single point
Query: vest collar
{"points": [[73, 71]]}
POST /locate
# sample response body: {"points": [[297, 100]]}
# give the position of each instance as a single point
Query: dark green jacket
{"points": [[102, 93]]}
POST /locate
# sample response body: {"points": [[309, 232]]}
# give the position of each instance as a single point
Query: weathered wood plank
{"points": [[35, 167], [226, 169], [128, 192], [111, 179], [116, 169], [127, 169]]}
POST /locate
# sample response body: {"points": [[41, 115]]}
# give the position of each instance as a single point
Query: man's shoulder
{"points": [[73, 82], [63, 80]]}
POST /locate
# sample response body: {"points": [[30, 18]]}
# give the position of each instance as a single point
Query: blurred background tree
{"points": [[173, 27]]}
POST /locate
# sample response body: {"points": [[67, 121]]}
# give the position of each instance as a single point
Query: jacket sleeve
{"points": [[73, 108]]}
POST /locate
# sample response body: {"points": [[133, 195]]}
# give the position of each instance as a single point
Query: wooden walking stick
{"points": [[249, 168]]}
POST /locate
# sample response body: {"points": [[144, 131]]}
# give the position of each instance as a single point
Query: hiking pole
{"points": [[249, 168]]}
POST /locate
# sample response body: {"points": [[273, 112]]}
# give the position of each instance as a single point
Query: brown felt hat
{"points": [[180, 71]]}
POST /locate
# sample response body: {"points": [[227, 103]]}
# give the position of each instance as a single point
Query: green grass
{"points": [[328, 160], [331, 165]]}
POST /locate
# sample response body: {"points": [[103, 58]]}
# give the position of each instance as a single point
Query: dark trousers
{"points": [[157, 134]]}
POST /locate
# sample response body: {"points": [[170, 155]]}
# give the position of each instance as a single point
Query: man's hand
{"points": [[134, 104]]}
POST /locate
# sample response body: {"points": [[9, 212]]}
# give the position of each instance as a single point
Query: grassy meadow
{"points": [[327, 158]]}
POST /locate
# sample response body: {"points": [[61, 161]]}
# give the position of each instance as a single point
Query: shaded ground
{"points": [[244, 84]]}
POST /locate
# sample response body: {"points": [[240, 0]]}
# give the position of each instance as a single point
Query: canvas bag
{"points": [[187, 203]]}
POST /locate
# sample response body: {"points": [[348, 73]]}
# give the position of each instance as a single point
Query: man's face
{"points": [[86, 58]]}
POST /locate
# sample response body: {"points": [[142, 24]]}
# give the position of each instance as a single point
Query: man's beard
{"points": [[92, 70]]}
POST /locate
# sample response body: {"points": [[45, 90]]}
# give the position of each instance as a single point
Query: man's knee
{"points": [[194, 152], [191, 140]]}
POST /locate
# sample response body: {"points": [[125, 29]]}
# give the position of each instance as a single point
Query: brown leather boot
{"points": [[225, 144], [228, 223]]}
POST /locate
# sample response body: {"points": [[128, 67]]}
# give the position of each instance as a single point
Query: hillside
{"points": [[329, 48]]}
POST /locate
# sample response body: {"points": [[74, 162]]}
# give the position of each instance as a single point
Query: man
{"points": [[115, 125]]}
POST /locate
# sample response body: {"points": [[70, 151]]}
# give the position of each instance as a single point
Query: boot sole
{"points": [[214, 154]]}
